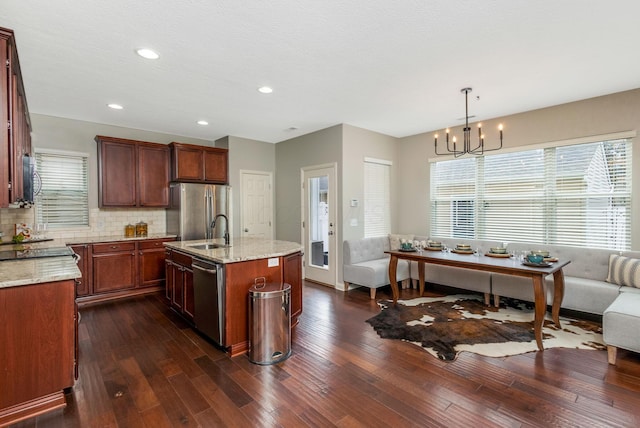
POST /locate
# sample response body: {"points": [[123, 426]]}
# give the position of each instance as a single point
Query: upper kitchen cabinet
{"points": [[15, 143], [198, 164], [132, 173]]}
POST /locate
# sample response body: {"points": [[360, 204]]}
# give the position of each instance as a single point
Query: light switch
{"points": [[273, 262], [354, 202]]}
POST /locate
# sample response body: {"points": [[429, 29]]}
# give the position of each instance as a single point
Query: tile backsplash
{"points": [[102, 222]]}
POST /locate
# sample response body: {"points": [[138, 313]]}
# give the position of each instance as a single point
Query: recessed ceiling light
{"points": [[265, 90], [115, 106], [147, 53], [202, 122]]}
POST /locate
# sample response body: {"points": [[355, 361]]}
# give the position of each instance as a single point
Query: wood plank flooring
{"points": [[142, 366]]}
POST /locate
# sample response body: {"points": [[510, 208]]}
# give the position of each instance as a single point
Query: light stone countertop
{"points": [[34, 271], [240, 250]]}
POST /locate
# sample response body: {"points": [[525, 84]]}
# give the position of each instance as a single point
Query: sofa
{"points": [[366, 264], [590, 283]]}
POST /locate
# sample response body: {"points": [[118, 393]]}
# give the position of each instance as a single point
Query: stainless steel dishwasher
{"points": [[208, 295]]}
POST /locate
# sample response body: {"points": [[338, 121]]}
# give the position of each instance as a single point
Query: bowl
{"points": [[406, 245], [463, 246], [498, 250], [535, 258], [435, 244], [543, 253]]}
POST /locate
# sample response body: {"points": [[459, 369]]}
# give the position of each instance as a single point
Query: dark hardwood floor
{"points": [[142, 366]]}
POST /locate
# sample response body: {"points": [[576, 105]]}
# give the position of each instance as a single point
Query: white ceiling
{"points": [[394, 67]]}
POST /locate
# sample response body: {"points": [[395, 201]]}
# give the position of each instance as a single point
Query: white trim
{"points": [[573, 141], [378, 161], [60, 152]]}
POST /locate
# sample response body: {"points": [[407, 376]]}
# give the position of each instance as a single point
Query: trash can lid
{"points": [[266, 289]]}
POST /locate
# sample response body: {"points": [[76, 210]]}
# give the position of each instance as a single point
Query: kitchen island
{"points": [[244, 261], [38, 332]]}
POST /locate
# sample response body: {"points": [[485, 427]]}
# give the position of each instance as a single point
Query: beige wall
{"points": [[76, 135], [316, 148], [251, 155], [596, 116], [357, 145]]}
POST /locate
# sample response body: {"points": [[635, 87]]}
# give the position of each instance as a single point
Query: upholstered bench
{"points": [[621, 324]]}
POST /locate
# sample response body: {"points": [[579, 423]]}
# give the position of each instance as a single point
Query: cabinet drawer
{"points": [[151, 244], [113, 247], [181, 259]]}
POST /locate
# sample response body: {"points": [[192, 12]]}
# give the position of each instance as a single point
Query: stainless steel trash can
{"points": [[269, 323]]}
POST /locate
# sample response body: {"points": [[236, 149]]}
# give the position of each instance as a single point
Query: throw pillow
{"points": [[395, 239], [624, 271]]}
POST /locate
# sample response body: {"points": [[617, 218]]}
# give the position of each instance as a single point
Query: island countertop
{"points": [[240, 249], [36, 271]]}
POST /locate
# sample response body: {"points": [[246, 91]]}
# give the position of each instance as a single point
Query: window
{"points": [[63, 200], [578, 195], [377, 199]]}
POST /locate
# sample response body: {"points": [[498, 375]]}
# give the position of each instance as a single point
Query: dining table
{"points": [[507, 265]]}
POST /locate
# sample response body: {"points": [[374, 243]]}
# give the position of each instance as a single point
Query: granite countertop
{"points": [[33, 271], [241, 249]]}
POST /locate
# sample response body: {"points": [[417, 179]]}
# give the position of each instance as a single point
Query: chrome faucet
{"points": [[226, 230]]}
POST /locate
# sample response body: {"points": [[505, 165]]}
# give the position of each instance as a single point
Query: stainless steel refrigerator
{"points": [[194, 206]]}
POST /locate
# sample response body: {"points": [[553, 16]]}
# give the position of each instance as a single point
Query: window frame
{"points": [[78, 196]]}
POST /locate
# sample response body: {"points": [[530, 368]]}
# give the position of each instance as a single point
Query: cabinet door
{"points": [[4, 118], [215, 165], [151, 263], [117, 183], [83, 284], [153, 175], [292, 275], [177, 292], [170, 272], [114, 267], [188, 163], [38, 338], [189, 303]]}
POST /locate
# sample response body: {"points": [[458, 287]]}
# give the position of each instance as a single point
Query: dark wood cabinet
{"points": [[119, 269], [39, 342], [132, 173], [15, 139], [292, 275], [179, 286], [199, 164], [151, 263], [83, 284], [114, 266]]}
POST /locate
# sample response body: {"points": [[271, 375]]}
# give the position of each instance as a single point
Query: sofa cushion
{"points": [[374, 273], [395, 239], [624, 271]]}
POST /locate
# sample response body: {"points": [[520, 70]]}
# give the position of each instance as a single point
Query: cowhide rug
{"points": [[446, 326]]}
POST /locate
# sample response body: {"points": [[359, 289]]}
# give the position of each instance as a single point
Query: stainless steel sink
{"points": [[207, 246]]}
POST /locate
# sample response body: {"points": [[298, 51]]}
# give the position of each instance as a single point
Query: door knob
{"points": [[330, 232], [246, 230]]}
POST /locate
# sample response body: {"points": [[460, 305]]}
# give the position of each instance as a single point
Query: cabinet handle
{"points": [[133, 254], [140, 252], [156, 244], [113, 247]]}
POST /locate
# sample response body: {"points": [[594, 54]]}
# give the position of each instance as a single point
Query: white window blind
{"points": [[63, 200], [577, 195], [377, 198]]}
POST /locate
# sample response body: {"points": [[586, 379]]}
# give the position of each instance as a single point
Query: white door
{"points": [[319, 223], [256, 210]]}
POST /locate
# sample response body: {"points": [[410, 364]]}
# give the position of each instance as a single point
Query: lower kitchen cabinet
{"points": [[292, 275], [114, 266], [119, 269], [39, 348], [179, 285]]}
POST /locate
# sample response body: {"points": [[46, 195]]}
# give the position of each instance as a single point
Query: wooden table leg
{"points": [[393, 269], [421, 277], [558, 295], [540, 308]]}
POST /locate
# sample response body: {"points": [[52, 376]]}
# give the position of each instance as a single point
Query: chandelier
{"points": [[466, 139]]}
